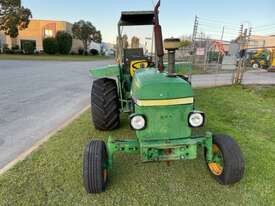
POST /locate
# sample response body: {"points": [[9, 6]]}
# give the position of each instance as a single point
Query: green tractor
{"points": [[160, 104]]}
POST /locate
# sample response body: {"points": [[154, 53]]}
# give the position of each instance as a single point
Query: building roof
{"points": [[51, 20]]}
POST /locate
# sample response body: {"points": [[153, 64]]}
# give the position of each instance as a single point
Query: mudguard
{"points": [[107, 71]]}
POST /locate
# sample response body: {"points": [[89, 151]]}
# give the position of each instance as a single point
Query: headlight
{"points": [[137, 122], [196, 119]]}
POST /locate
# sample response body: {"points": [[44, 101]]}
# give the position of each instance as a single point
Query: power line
{"points": [[217, 21], [265, 28], [217, 35], [228, 28], [213, 24], [225, 35], [218, 31], [267, 25], [264, 31], [218, 27], [264, 34]]}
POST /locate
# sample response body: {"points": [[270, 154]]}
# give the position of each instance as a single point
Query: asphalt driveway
{"points": [[36, 97]]}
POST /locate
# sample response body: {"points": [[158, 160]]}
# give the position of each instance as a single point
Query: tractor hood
{"points": [[150, 84]]}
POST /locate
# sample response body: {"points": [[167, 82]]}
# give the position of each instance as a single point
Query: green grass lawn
{"points": [[44, 57], [53, 174], [198, 70]]}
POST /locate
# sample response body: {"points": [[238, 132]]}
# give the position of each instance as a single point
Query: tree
{"points": [[50, 45], [13, 17], [185, 43], [86, 32], [65, 41]]}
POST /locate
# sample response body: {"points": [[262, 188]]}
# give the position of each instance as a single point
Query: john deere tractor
{"points": [[160, 105]]}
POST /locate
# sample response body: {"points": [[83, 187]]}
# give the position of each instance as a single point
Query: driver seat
{"points": [[134, 59]]}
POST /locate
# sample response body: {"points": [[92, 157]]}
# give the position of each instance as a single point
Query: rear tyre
{"points": [[105, 104], [228, 164], [95, 173]]}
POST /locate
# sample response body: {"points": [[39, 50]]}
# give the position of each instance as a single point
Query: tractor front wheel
{"points": [[228, 164], [95, 171], [105, 104]]}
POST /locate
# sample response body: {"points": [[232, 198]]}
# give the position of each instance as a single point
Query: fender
{"points": [[107, 71]]}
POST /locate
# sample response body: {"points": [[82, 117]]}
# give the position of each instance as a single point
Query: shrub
{"points": [[28, 47], [81, 51], [94, 52], [15, 47], [64, 41], [50, 45], [213, 56], [6, 49]]}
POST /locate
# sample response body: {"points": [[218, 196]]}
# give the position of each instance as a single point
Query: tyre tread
{"points": [[105, 104], [234, 164], [94, 155]]}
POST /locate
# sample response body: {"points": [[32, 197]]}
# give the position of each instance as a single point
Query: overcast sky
{"points": [[176, 16]]}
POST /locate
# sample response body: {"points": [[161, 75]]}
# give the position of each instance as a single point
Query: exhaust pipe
{"points": [[171, 45], [158, 38]]}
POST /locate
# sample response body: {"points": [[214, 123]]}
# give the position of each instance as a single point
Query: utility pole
{"points": [[194, 36], [222, 33], [201, 39], [249, 34], [195, 28], [241, 30], [205, 63], [250, 31], [219, 52], [245, 35]]}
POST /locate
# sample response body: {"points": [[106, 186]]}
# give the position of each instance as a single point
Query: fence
{"points": [[222, 72], [215, 65]]}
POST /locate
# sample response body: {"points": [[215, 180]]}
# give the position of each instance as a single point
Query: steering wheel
{"points": [[150, 64], [143, 64], [140, 62]]}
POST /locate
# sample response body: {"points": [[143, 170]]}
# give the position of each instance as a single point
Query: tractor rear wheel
{"points": [[105, 104], [228, 164], [95, 173]]}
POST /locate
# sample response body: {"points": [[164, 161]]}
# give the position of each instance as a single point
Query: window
{"points": [[48, 33]]}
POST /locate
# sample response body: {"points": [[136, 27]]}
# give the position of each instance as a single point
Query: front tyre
{"points": [[95, 173], [228, 164]]}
